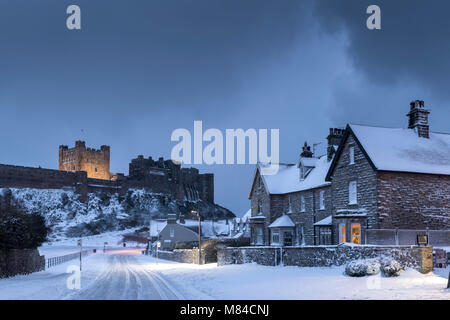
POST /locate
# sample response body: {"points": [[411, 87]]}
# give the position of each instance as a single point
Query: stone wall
{"points": [[181, 255], [420, 258], [25, 261], [413, 201]]}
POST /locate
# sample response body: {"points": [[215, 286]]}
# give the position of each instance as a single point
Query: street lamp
{"points": [[199, 233]]}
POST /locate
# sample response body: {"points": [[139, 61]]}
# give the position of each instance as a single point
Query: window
{"points": [[259, 235], [342, 236], [302, 204], [351, 153], [356, 233], [352, 193], [95, 169], [275, 236], [302, 173], [322, 199], [172, 232]]}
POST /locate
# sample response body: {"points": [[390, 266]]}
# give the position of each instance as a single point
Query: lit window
{"points": [[342, 235], [352, 193], [275, 236], [356, 233], [322, 199], [302, 204], [172, 232], [351, 152]]}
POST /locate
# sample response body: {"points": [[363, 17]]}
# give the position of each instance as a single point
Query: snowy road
{"points": [[127, 274], [126, 278]]}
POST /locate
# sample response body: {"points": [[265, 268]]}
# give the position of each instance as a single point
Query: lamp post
{"points": [[199, 233]]}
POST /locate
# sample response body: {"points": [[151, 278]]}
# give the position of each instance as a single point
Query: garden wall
{"points": [[24, 261], [419, 258], [181, 255]]}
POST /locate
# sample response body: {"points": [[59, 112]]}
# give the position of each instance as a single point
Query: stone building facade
{"points": [[374, 180], [306, 200], [390, 178]]}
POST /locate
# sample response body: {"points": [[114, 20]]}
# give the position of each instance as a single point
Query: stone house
{"points": [[390, 178], [293, 206], [174, 233]]}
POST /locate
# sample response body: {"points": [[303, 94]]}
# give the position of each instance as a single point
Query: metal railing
{"points": [[50, 262], [406, 237]]}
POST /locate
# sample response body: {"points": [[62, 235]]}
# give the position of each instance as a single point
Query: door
{"points": [[356, 233], [259, 236], [342, 234]]}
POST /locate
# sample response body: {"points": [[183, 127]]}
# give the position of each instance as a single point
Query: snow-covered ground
{"points": [[126, 274]]}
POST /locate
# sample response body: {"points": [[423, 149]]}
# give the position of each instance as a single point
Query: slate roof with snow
{"points": [[398, 149], [287, 179], [283, 221], [324, 222]]}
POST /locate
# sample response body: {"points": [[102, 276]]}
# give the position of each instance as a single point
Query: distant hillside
{"points": [[68, 217]]}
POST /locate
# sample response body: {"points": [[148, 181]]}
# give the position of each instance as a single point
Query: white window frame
{"points": [[259, 236], [302, 203], [353, 192], [275, 232], [322, 199], [351, 155]]}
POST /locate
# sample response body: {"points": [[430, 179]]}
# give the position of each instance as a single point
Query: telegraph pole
{"points": [[199, 234], [448, 283]]}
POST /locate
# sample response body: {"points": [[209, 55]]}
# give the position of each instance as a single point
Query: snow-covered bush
{"points": [[361, 268], [391, 268], [373, 267], [356, 268]]}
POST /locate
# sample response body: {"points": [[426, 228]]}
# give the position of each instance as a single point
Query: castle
{"points": [[87, 170]]}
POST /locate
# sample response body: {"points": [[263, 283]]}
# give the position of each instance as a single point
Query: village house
{"points": [[293, 207], [174, 233], [386, 179], [375, 185]]}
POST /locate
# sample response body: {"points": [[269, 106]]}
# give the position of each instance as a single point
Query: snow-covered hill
{"points": [[104, 212]]}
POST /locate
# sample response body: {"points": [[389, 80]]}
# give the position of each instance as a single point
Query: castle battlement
{"points": [[96, 162]]}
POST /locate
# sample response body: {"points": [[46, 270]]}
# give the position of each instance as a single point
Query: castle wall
{"points": [[38, 178]]}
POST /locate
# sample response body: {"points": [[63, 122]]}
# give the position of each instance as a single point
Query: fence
{"points": [[50, 262], [406, 237]]}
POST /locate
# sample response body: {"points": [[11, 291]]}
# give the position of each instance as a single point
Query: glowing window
{"points": [[356, 233], [342, 237]]}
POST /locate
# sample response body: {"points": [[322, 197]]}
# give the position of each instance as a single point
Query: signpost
{"points": [[80, 244], [158, 244], [104, 246], [199, 233]]}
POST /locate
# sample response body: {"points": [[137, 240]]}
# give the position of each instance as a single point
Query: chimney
{"points": [[418, 118], [306, 151], [334, 139]]}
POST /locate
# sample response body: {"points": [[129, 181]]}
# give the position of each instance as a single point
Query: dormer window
{"points": [[351, 154], [303, 173]]}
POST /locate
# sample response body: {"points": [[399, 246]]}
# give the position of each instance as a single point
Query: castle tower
{"points": [[95, 162]]}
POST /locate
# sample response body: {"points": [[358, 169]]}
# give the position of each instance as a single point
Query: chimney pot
{"points": [[418, 118]]}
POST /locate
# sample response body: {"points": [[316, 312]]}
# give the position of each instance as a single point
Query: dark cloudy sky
{"points": [[139, 69]]}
